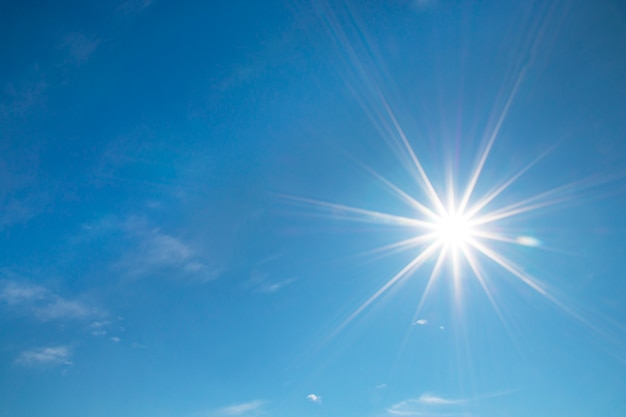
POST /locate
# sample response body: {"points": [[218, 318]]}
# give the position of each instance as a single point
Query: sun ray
{"points": [[372, 216], [473, 263], [403, 244], [483, 158], [509, 266], [474, 209], [431, 280], [403, 195], [410, 267]]}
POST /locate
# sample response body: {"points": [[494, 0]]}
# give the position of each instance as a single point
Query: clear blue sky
{"points": [[199, 203]]}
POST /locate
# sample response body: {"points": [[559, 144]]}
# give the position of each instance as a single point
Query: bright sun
{"points": [[458, 232], [453, 230]]}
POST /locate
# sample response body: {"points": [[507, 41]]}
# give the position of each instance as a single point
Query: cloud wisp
{"points": [[133, 7], [262, 284], [80, 47], [43, 304], [428, 405], [158, 251], [149, 251], [45, 356], [250, 408]]}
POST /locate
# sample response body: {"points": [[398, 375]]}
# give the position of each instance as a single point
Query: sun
{"points": [[453, 230], [459, 232]]}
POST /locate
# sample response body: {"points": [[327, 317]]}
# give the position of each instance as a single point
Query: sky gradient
{"points": [[205, 208]]}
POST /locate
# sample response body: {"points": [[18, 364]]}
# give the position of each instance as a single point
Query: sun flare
{"points": [[458, 233], [453, 230]]}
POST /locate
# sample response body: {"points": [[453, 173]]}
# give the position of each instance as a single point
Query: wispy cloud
{"points": [[133, 7], [150, 251], [53, 355], [421, 322], [434, 400], [42, 303], [275, 286], [79, 47], [422, 4], [314, 398], [21, 98], [243, 409], [264, 284], [98, 328], [428, 405], [159, 251]]}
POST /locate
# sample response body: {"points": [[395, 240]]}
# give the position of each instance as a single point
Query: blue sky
{"points": [[206, 208]]}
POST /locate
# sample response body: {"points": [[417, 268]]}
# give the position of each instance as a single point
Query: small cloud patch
{"points": [[53, 355], [314, 398], [43, 304]]}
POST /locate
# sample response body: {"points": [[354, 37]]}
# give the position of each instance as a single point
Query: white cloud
{"points": [[116, 339], [14, 293], [42, 303], [434, 400], [150, 251], [97, 328], [54, 355], [59, 308], [421, 322], [243, 409], [428, 405], [315, 398]]}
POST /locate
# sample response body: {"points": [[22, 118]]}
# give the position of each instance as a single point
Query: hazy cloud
{"points": [[151, 251], [42, 303], [243, 409], [158, 250], [98, 328], [133, 7], [428, 405], [434, 400], [265, 282], [54, 355], [80, 47], [422, 4], [271, 287], [421, 322], [21, 98]]}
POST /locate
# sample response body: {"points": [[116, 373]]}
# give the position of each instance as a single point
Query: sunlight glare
{"points": [[453, 230]]}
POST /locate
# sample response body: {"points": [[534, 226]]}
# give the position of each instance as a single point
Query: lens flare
{"points": [[458, 233]]}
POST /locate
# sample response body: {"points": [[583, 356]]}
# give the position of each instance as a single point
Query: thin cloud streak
{"points": [[53, 355], [43, 304], [151, 251], [243, 409]]}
